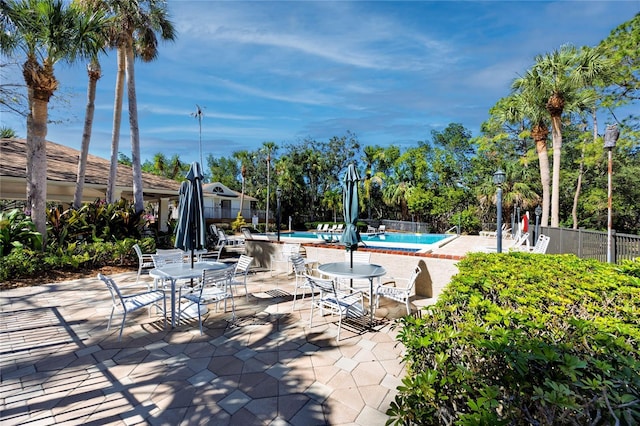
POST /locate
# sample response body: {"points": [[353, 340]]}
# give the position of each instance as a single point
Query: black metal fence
{"points": [[406, 226], [592, 244]]}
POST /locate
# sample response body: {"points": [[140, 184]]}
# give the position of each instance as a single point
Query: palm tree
{"points": [[94, 73], [134, 34], [525, 105], [47, 31], [565, 73], [244, 157], [268, 148]]}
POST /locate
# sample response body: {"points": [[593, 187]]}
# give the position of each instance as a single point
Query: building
{"points": [[62, 165]]}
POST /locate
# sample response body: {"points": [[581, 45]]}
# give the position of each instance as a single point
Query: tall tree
{"points": [[525, 106], [46, 31], [565, 73], [94, 73], [134, 33], [243, 157]]}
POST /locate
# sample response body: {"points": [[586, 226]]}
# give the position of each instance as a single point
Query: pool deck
{"points": [[60, 365]]}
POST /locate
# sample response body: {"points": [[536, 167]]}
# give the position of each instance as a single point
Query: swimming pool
{"points": [[391, 240]]}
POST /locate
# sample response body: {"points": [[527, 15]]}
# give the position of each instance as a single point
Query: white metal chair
{"points": [[144, 260], [167, 258], [212, 288], [326, 297], [349, 284], [133, 302], [390, 290], [241, 272], [288, 250], [300, 269]]}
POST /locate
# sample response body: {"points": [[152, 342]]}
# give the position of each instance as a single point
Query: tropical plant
{"points": [[17, 230], [46, 31]]}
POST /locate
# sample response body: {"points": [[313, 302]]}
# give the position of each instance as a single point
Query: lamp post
{"points": [[498, 180], [610, 138], [278, 197], [538, 212]]}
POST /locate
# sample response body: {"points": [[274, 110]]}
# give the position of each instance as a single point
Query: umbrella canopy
{"points": [[190, 230], [350, 237]]}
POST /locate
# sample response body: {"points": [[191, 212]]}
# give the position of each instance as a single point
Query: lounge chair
{"points": [[339, 228], [371, 229], [325, 228], [229, 241], [382, 229], [493, 234], [539, 248], [515, 246]]}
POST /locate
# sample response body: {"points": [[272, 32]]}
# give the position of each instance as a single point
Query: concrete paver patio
{"points": [[60, 366]]}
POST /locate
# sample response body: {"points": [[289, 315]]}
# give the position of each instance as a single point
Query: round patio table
{"points": [[354, 271], [183, 271]]}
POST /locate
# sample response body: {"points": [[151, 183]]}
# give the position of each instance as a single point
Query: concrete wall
{"points": [[398, 266]]}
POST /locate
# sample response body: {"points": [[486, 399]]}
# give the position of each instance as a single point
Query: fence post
{"points": [[614, 246]]}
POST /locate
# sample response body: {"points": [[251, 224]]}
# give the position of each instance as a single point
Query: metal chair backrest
{"points": [[322, 285], [242, 267], [160, 260], [358, 256], [290, 249], [114, 290], [216, 278], [138, 251], [298, 265]]}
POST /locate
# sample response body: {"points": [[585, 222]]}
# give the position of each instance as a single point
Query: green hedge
{"points": [[522, 339]]}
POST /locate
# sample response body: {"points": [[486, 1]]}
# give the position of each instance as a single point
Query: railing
{"points": [[588, 244], [405, 226]]}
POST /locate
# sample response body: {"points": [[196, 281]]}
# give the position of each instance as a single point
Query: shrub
{"points": [[21, 262], [17, 230], [524, 339]]}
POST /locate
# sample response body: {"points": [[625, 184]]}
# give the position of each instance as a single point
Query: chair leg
{"points": [[164, 311], [110, 318], [124, 318], [139, 272]]}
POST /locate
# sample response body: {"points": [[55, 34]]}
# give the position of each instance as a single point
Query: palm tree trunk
{"points": [[556, 135], [136, 164], [41, 84], [94, 72], [540, 133], [117, 120]]}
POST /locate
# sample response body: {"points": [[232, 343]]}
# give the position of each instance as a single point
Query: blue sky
{"points": [[390, 72]]}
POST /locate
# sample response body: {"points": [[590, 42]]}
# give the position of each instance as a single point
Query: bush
{"points": [[17, 230], [525, 339]]}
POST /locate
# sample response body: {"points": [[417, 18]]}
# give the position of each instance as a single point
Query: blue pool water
{"points": [[392, 240]]}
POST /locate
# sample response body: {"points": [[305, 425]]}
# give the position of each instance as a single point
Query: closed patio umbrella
{"points": [[350, 237], [190, 230]]}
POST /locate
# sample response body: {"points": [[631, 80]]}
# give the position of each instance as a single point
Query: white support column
{"points": [[163, 215]]}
